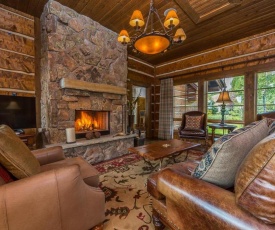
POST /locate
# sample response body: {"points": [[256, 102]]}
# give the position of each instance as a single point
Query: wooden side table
{"points": [[229, 129]]}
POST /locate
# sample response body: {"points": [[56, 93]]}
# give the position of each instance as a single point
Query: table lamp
{"points": [[223, 99]]}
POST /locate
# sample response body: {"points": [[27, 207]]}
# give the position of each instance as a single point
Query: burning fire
{"points": [[85, 122]]}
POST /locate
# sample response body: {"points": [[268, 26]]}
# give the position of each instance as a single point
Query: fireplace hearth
{"points": [[91, 120]]}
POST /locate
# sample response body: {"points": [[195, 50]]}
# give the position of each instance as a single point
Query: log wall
{"points": [[17, 59]]}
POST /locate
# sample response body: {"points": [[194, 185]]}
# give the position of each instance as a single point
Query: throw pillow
{"points": [[271, 128], [254, 185], [192, 122], [269, 120], [219, 165], [5, 175], [15, 156]]}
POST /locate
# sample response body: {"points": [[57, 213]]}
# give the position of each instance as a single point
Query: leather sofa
{"points": [[182, 201], [64, 194]]}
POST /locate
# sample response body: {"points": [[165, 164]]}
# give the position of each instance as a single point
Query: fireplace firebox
{"points": [[91, 120]]}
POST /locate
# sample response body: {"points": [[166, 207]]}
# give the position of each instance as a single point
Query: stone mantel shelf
{"points": [[84, 142], [67, 83]]}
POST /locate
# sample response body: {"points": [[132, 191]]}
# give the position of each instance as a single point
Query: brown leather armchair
{"points": [[64, 195], [193, 126]]}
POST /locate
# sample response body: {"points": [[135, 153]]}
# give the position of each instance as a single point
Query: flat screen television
{"points": [[17, 112]]}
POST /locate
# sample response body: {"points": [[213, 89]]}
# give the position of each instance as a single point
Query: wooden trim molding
{"points": [[18, 91], [246, 51], [66, 83]]}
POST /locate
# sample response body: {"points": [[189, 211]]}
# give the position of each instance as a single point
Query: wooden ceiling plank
{"points": [[68, 3], [197, 43], [208, 28], [115, 6], [35, 7], [211, 26], [90, 9], [190, 12], [80, 5]]}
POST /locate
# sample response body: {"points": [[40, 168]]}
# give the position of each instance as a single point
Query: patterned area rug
{"points": [[123, 180]]}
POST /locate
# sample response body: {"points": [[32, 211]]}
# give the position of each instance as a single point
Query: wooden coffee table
{"points": [[162, 149]]}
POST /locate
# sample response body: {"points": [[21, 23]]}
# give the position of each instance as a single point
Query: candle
{"points": [[70, 135]]}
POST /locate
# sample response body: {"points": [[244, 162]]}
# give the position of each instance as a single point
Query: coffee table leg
{"points": [[187, 152], [152, 167], [160, 163]]}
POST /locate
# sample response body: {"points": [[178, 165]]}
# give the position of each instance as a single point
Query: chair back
{"points": [[195, 113], [266, 115]]}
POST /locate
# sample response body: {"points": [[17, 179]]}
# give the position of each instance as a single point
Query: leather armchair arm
{"points": [[195, 204], [49, 155], [57, 199]]}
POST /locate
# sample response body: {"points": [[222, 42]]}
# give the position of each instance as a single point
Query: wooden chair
{"points": [[193, 126]]}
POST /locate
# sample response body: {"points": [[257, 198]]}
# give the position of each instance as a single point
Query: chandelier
{"points": [[153, 42]]}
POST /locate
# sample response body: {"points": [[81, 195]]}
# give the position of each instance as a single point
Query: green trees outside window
{"points": [[265, 92]]}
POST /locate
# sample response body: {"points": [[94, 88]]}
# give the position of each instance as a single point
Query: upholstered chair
{"points": [[44, 190], [193, 126]]}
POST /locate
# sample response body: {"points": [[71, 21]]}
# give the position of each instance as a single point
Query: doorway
{"points": [[139, 93]]}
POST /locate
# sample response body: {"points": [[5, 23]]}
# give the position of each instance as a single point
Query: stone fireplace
{"points": [[83, 67]]}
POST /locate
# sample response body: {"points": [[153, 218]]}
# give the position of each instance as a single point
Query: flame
{"points": [[85, 122]]}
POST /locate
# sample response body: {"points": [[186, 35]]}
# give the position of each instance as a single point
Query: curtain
{"points": [[166, 109]]}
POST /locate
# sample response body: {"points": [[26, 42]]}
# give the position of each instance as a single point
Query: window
{"points": [[265, 92], [234, 113], [185, 99]]}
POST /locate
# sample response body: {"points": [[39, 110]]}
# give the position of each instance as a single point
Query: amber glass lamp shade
{"points": [[137, 19], [224, 98], [152, 44], [171, 19], [179, 35], [123, 37]]}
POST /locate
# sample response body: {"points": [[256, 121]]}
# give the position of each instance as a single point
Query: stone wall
{"points": [[76, 47], [98, 150]]}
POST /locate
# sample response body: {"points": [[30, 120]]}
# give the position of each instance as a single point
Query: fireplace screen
{"points": [[91, 120]]}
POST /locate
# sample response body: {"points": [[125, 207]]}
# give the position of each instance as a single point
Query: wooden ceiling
{"points": [[207, 23]]}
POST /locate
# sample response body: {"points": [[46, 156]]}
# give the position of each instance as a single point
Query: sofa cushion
{"points": [[193, 132], [15, 156], [193, 122], [219, 165], [269, 120], [255, 184]]}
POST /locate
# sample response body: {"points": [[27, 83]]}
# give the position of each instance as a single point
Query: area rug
{"points": [[123, 180]]}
